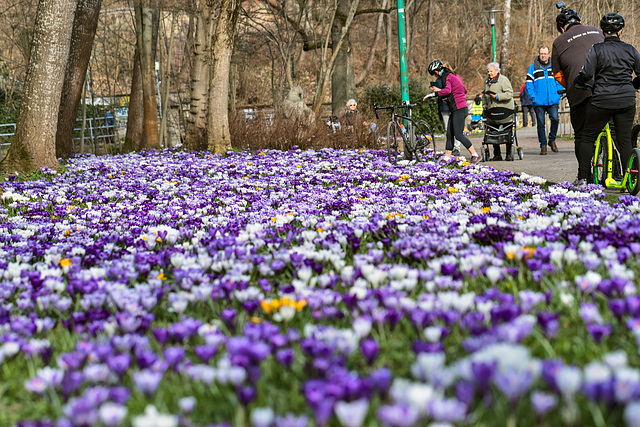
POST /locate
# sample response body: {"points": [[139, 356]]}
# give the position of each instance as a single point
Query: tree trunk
{"points": [[34, 143], [219, 139], [504, 54], [146, 41], [135, 123], [196, 138], [372, 51], [83, 33], [343, 85], [388, 63], [327, 67], [429, 30]]}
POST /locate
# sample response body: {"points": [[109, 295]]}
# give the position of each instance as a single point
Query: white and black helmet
{"points": [[435, 66]]}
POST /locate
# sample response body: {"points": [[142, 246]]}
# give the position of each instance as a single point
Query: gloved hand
{"points": [[636, 83], [579, 82]]}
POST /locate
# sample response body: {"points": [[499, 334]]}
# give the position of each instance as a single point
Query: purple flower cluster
{"points": [[348, 290]]}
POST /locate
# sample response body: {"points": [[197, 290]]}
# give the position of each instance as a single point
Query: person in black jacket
{"points": [[612, 63]]}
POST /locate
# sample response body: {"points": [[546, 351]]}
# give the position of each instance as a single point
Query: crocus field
{"points": [[313, 288]]}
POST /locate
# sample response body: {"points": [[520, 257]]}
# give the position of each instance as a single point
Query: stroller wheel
{"points": [[520, 153]]}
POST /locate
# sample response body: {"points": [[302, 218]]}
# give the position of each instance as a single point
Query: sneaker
{"points": [[455, 152], [543, 150], [553, 146], [496, 158], [579, 182], [509, 158], [475, 160]]}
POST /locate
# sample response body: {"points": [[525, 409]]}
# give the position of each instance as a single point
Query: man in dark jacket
{"points": [[568, 54], [612, 64], [543, 91]]}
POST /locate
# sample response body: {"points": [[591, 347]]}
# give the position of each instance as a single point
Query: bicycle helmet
{"points": [[566, 16], [611, 23], [435, 66]]}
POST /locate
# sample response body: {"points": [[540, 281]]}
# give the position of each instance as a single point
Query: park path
{"points": [[555, 167]]}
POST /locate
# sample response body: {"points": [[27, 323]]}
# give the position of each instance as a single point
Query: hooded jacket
{"points": [[541, 85]]}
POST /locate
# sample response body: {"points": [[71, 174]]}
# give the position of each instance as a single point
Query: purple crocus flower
{"points": [[598, 332], [147, 381], [205, 352], [483, 373], [173, 356], [370, 349], [398, 415], [543, 402], [246, 394], [285, 356], [447, 410], [119, 364], [513, 384]]}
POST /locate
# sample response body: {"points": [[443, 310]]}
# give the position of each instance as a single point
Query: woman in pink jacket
{"points": [[453, 94]]}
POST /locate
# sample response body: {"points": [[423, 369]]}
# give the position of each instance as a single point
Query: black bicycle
{"points": [[415, 139]]}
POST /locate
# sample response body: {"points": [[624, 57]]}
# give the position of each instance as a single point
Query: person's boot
{"points": [[553, 146], [509, 156], [543, 150]]}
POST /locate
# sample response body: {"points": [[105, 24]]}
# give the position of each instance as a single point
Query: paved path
{"points": [[554, 167]]}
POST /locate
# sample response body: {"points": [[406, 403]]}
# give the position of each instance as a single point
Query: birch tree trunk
{"points": [[85, 22], [34, 143], [504, 54], [196, 137], [146, 40], [219, 138]]}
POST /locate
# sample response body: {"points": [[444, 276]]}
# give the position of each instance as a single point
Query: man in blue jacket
{"points": [[543, 91]]}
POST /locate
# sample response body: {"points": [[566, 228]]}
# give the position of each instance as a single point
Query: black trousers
{"points": [[596, 119], [578, 116], [455, 129]]}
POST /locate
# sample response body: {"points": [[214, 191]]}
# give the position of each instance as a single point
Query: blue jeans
{"points": [[552, 111]]}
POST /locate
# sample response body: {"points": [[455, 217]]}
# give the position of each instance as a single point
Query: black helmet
{"points": [[565, 17], [435, 66], [611, 23]]}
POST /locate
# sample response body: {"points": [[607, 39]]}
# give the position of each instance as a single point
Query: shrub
{"points": [[383, 94]]}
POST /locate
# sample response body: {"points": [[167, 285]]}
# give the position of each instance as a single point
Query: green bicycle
{"points": [[607, 167]]}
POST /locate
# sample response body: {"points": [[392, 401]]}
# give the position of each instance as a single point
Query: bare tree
{"points": [[219, 139], [85, 22], [196, 138], [33, 144]]}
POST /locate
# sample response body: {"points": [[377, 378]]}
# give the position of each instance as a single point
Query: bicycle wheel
{"points": [[423, 139], [635, 136], [600, 162], [394, 135], [633, 174]]}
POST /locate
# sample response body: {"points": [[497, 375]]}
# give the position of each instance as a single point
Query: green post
{"points": [[493, 36], [492, 20], [402, 44]]}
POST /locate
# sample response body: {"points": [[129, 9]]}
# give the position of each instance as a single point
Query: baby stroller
{"points": [[500, 128]]}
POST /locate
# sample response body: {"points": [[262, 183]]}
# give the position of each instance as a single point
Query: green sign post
{"points": [[402, 44]]}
